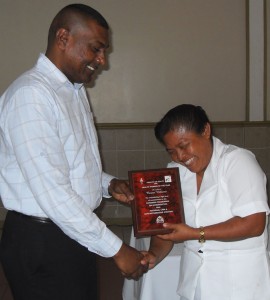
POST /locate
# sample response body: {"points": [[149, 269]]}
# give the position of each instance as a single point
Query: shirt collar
{"points": [[56, 77]]}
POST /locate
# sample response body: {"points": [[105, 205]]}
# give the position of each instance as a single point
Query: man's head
{"points": [[77, 41]]}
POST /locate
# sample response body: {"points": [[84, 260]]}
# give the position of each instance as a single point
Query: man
{"points": [[50, 171]]}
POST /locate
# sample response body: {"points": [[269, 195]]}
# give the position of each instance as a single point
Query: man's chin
{"points": [[86, 80]]}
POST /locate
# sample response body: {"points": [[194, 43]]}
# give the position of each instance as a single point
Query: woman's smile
{"points": [[190, 149]]}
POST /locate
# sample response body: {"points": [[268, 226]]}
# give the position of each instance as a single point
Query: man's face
{"points": [[84, 51]]}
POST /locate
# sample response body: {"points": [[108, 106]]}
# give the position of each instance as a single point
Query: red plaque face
{"points": [[158, 200]]}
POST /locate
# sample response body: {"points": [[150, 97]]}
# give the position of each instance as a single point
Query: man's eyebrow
{"points": [[106, 46], [102, 45]]}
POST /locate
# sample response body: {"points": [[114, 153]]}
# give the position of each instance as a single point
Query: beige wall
{"points": [[267, 56], [163, 53], [136, 148], [132, 148]]}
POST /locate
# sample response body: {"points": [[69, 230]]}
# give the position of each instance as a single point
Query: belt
{"points": [[32, 218]]}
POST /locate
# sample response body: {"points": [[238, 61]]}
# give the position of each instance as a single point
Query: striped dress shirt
{"points": [[49, 158]]}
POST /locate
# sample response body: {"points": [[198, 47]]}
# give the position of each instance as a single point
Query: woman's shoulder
{"points": [[232, 151], [233, 157]]}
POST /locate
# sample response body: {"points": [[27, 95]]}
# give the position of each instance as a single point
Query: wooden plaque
{"points": [[158, 200]]}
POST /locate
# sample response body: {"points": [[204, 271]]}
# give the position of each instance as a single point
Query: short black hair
{"points": [[63, 19], [188, 116], [87, 11]]}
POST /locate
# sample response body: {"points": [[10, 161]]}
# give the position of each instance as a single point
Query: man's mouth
{"points": [[90, 68]]}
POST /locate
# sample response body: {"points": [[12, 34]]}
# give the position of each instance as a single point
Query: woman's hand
{"points": [[234, 229], [149, 258], [180, 232]]}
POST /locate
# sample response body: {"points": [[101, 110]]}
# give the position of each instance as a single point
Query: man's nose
{"points": [[101, 58]]}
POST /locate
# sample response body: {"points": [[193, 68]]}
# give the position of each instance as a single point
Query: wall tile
{"points": [[257, 137], [156, 159], [133, 149], [114, 212], [150, 140], [109, 162], [127, 231], [220, 133], [107, 209], [129, 139], [129, 160], [123, 211], [263, 158], [107, 139], [235, 136]]}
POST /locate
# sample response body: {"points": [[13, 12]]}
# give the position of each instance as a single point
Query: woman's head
{"points": [[186, 133], [185, 116]]}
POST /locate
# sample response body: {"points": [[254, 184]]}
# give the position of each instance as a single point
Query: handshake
{"points": [[132, 263]]}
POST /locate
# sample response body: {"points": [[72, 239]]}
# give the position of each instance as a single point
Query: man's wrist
{"points": [[110, 187]]}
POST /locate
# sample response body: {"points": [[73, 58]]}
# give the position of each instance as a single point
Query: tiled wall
{"points": [[135, 147]]}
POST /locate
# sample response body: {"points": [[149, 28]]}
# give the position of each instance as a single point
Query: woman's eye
{"points": [[183, 147], [170, 152]]}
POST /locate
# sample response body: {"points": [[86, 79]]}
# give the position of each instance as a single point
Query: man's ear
{"points": [[62, 36]]}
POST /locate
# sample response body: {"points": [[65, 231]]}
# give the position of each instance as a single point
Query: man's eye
{"points": [[94, 49]]}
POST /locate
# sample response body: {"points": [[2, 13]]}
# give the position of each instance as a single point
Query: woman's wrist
{"points": [[201, 235]]}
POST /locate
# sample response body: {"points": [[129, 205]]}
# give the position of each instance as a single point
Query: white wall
{"points": [[256, 60], [164, 53]]}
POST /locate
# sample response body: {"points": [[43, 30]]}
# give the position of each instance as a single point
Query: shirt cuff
{"points": [[251, 208], [106, 179], [105, 248]]}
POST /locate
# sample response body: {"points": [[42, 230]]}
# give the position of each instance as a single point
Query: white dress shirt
{"points": [[233, 185], [49, 158]]}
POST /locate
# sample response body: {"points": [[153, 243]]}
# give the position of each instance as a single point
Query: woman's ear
{"points": [[207, 131]]}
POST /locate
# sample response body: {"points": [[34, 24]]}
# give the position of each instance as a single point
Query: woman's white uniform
{"points": [[233, 185]]}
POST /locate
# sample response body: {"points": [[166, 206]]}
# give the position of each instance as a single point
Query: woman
{"points": [[225, 203]]}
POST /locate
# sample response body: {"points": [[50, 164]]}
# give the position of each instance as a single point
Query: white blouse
{"points": [[233, 185]]}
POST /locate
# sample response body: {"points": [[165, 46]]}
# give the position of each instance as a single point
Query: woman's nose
{"points": [[180, 155]]}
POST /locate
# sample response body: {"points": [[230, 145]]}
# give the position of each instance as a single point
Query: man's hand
{"points": [[150, 259], [131, 262], [120, 190]]}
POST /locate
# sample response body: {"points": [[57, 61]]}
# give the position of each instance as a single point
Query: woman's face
{"points": [[190, 149]]}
